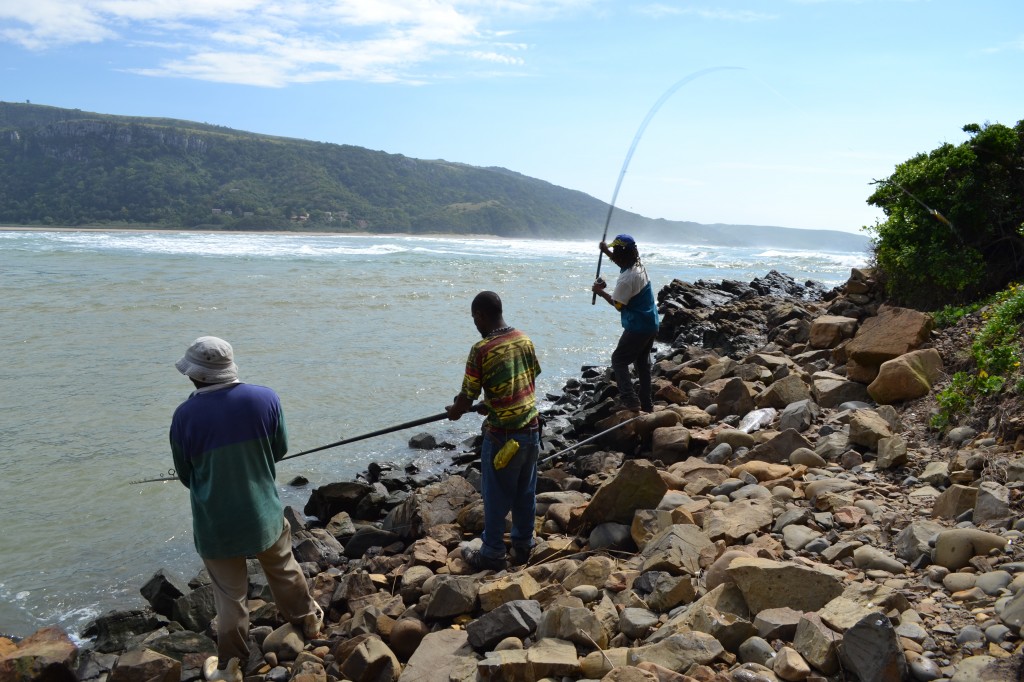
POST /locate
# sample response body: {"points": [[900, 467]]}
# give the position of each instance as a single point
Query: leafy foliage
{"points": [[954, 228], [996, 351]]}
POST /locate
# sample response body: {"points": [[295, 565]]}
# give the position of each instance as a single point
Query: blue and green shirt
{"points": [[225, 440], [634, 299]]}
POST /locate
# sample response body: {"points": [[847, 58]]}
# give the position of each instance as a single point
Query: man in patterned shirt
{"points": [[504, 366]]}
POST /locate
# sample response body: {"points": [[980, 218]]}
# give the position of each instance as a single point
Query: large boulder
{"points": [[327, 500], [47, 654], [768, 584], [887, 335], [433, 505], [906, 377], [638, 485], [828, 330]]}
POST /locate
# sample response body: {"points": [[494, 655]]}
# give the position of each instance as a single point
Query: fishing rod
{"points": [[171, 476], [933, 212], [587, 440], [632, 148]]}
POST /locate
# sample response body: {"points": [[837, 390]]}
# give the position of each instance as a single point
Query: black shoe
{"points": [[479, 562], [519, 556], [630, 405]]}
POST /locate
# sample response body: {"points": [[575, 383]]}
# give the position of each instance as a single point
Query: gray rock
{"points": [[517, 618], [423, 441], [637, 623], [799, 415], [285, 642], [720, 454], [611, 536], [961, 434], [796, 536], [196, 609], [993, 582], [162, 589], [871, 650], [923, 669], [452, 596], [1011, 612], [439, 658], [817, 643], [586, 593], [115, 630], [756, 650], [992, 507], [958, 582], [778, 623], [371, 660], [915, 539], [573, 624], [998, 633], [874, 558]]}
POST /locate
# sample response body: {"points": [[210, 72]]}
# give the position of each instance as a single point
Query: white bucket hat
{"points": [[209, 360]]}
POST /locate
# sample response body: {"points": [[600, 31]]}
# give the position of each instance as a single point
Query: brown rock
{"points": [[768, 584], [906, 377], [636, 486], [45, 654], [887, 335]]}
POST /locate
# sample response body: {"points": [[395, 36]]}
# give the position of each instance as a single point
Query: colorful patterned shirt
{"points": [[505, 367]]}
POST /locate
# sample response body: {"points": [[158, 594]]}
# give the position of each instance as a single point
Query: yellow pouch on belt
{"points": [[506, 453]]}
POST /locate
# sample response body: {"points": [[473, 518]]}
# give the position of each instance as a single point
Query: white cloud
{"points": [[1011, 46], [661, 10], [39, 24], [272, 43]]}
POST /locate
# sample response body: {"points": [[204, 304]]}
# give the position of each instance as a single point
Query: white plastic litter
{"points": [[757, 419]]}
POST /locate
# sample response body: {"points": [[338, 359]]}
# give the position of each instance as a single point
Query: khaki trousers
{"points": [[230, 590]]}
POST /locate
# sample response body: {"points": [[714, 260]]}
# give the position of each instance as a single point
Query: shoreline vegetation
{"points": [[784, 512]]}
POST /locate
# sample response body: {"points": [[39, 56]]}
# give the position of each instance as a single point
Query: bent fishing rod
{"points": [[594, 437], [391, 429], [931, 211], [632, 148]]}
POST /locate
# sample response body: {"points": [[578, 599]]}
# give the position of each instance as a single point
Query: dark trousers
{"points": [[634, 349]]}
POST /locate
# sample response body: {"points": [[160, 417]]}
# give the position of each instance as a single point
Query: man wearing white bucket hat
{"points": [[225, 440]]}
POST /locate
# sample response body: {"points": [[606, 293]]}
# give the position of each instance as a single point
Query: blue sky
{"points": [[820, 97]]}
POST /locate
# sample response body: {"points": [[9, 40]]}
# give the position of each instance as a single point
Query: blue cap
{"points": [[622, 240]]}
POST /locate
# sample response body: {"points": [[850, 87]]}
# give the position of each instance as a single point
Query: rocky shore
{"points": [[783, 514]]}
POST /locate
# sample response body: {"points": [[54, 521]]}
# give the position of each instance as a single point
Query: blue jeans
{"points": [[513, 488], [634, 349]]}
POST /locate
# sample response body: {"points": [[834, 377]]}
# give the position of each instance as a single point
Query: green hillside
{"points": [[66, 167]]}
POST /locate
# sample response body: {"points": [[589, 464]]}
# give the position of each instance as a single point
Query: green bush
{"points": [[954, 227], [996, 351]]}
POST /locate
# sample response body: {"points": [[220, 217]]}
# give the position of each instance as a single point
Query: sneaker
{"points": [[519, 556], [212, 673], [479, 562], [311, 623]]}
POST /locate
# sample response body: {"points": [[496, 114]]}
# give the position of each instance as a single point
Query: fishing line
{"points": [[636, 140], [931, 211], [172, 475]]}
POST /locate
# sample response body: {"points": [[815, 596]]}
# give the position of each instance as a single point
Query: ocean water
{"points": [[355, 333]]}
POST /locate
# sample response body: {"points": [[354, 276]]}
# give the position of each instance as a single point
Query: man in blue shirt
{"points": [[634, 299], [225, 440]]}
